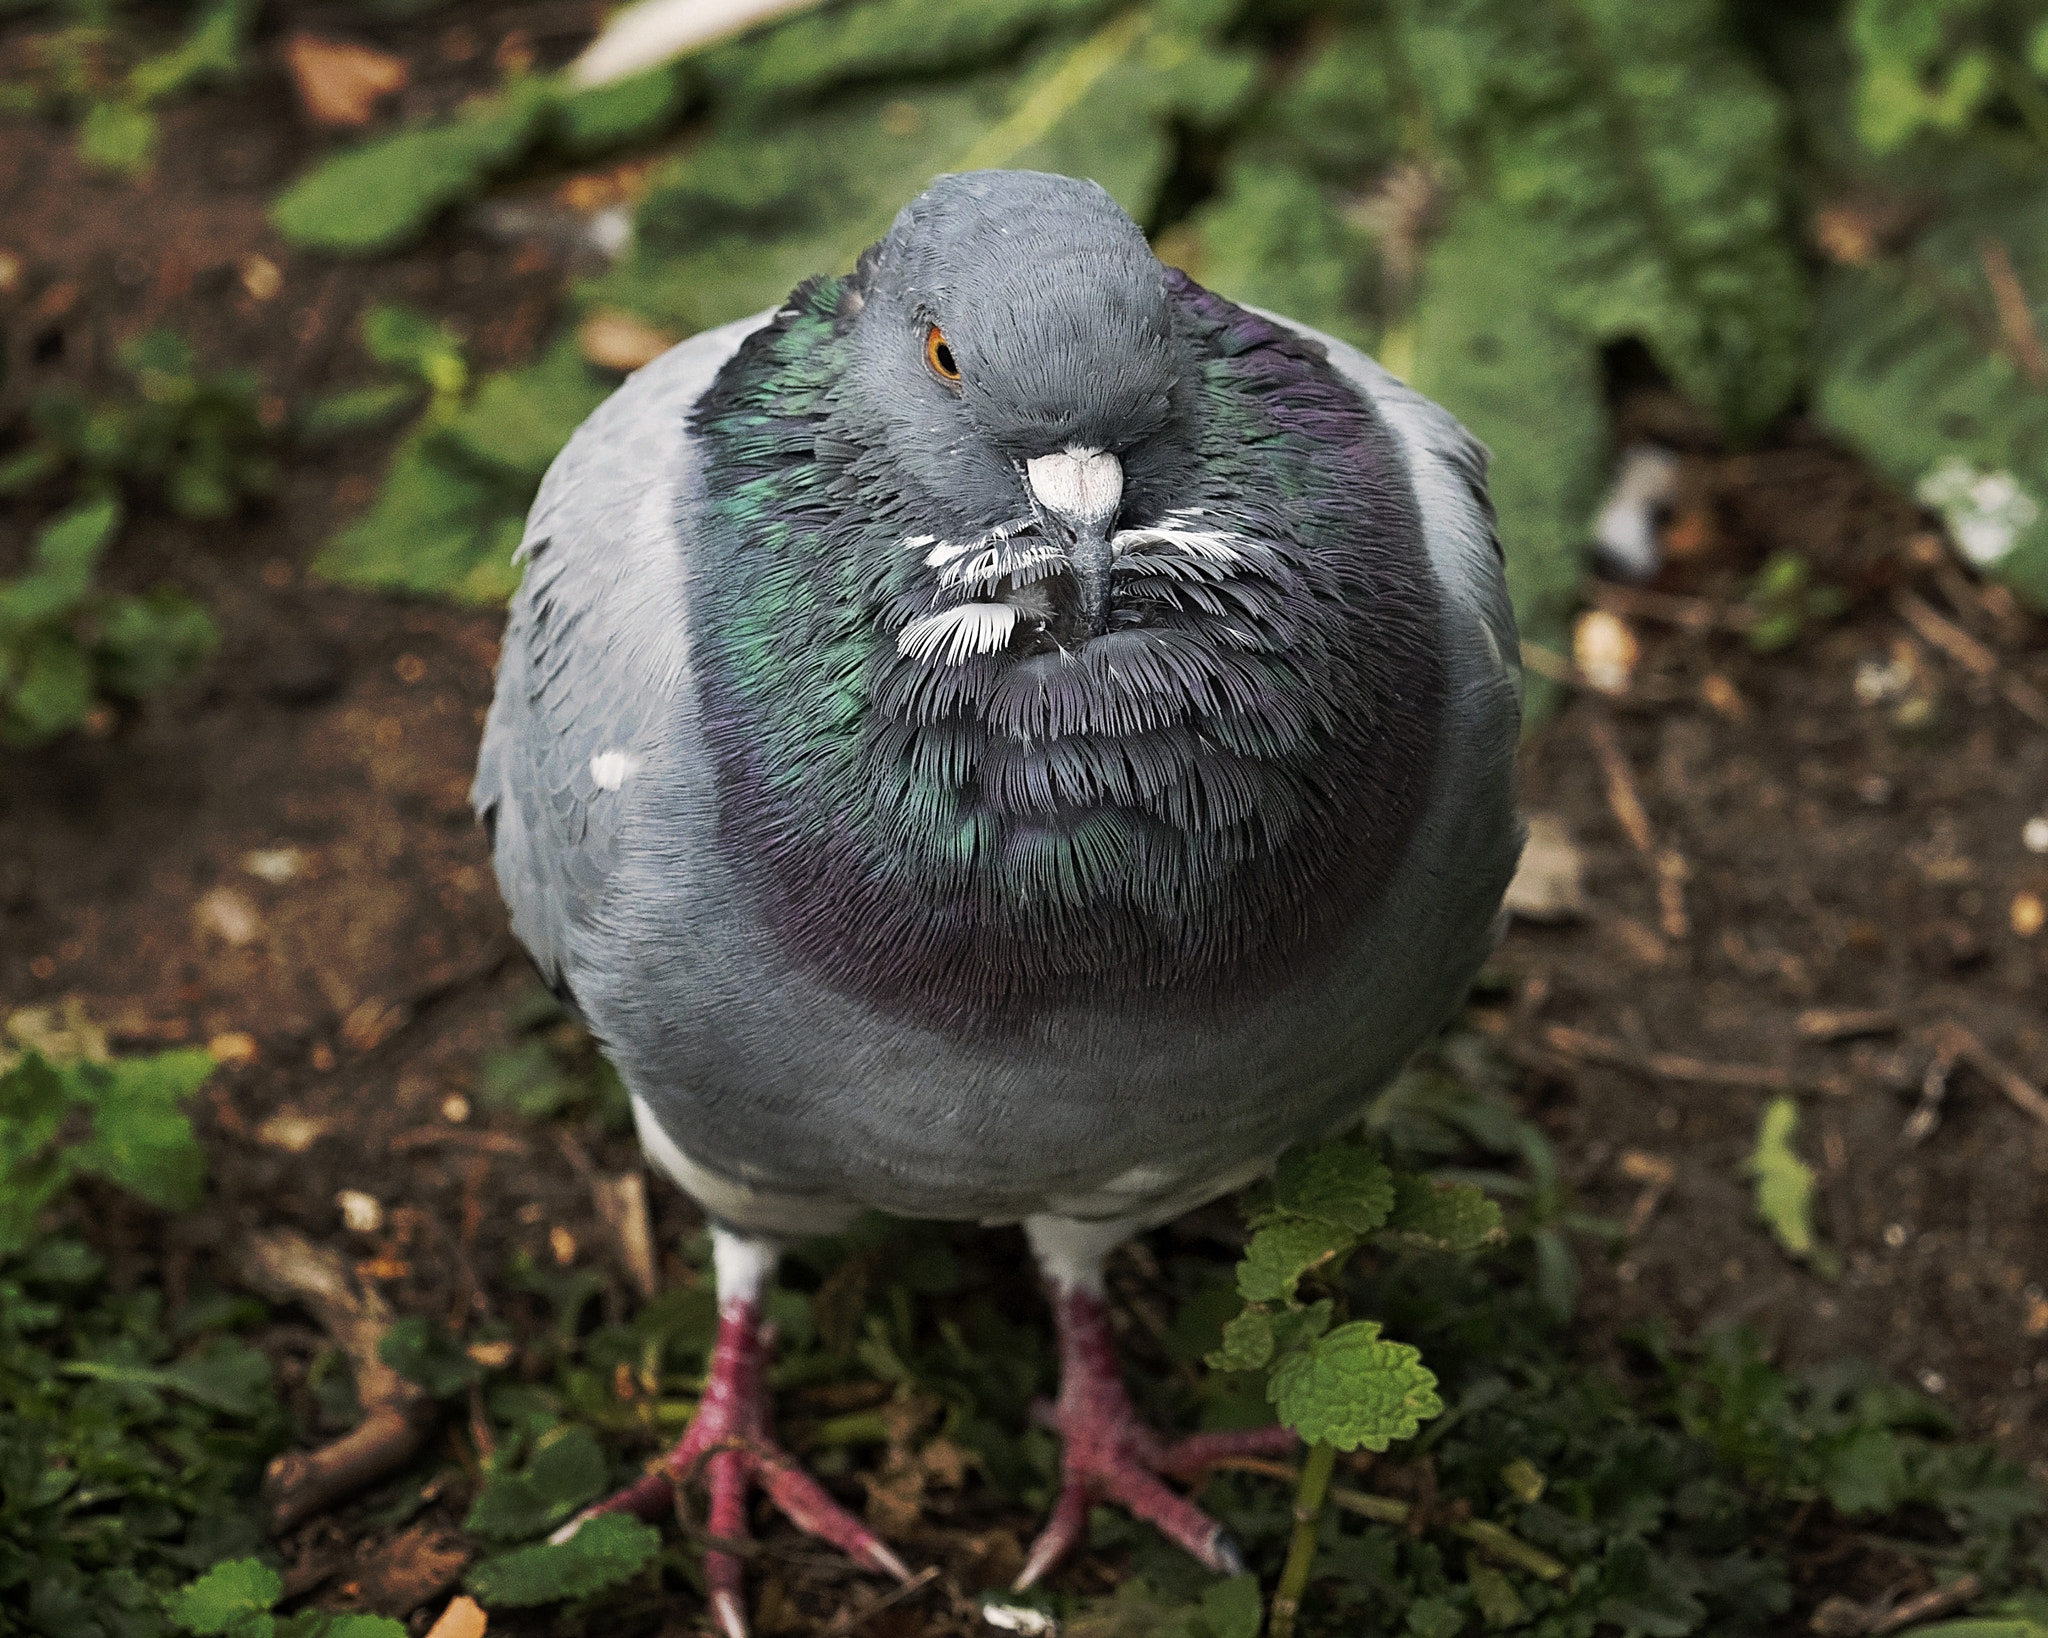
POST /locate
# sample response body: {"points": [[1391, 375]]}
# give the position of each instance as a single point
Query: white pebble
{"points": [[2034, 834], [362, 1213]]}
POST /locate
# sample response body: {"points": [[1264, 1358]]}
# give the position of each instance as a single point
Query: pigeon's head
{"points": [[1015, 343]]}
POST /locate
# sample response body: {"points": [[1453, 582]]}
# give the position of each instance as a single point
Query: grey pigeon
{"points": [[1005, 735]]}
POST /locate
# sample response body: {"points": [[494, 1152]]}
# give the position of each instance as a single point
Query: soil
{"points": [[1836, 827]]}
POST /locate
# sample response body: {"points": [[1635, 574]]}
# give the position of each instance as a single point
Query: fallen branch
{"points": [[851, 1620], [397, 1415]]}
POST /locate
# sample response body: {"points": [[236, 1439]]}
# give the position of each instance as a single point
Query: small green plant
{"points": [[197, 441], [131, 1434], [66, 643], [235, 1599], [1341, 1386], [1785, 602], [95, 72]]}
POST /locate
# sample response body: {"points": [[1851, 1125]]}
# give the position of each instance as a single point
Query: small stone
{"points": [[1549, 884], [260, 276], [455, 1108], [234, 1048], [614, 340], [563, 1244], [293, 1131], [1605, 651], [228, 916], [2028, 914], [275, 865], [361, 1213], [2034, 834]]}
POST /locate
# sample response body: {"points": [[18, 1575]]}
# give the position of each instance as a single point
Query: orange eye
{"points": [[939, 355]]}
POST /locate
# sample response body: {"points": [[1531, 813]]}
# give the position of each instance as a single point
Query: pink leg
{"points": [[731, 1440], [1110, 1455]]}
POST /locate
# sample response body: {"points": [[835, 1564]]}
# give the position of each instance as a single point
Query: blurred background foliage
{"points": [[1830, 206], [1840, 207]]}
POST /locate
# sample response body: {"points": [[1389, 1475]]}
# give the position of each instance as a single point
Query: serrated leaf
{"points": [[50, 691], [437, 528], [1487, 344], [1247, 1343], [1446, 1216], [378, 196], [565, 1470], [226, 1596], [1281, 1252], [1295, 1327], [520, 419], [604, 1552], [1784, 1182], [1353, 1389], [1344, 1184]]}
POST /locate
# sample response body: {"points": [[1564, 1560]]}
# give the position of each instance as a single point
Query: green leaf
{"points": [[225, 1596], [605, 116], [141, 1139], [1784, 1182], [410, 341], [520, 419], [438, 527], [376, 197], [1446, 1216], [1271, 239], [50, 692], [1353, 1389], [1343, 1184], [1232, 1608], [69, 546], [565, 1470], [1915, 369], [33, 1102], [212, 51], [1487, 343], [607, 1550], [1281, 1252], [1247, 1343], [147, 643], [428, 1357], [355, 409], [225, 1376], [1991, 1627], [118, 136], [1650, 156]]}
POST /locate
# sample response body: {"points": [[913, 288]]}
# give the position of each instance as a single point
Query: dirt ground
{"points": [[279, 858]]}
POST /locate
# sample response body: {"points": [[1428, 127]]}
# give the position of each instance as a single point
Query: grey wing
{"points": [[596, 650]]}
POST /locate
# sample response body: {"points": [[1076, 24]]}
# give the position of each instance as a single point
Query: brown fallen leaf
{"points": [[613, 340], [340, 84], [463, 1618]]}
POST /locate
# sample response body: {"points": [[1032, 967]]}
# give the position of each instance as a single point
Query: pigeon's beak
{"points": [[1082, 488]]}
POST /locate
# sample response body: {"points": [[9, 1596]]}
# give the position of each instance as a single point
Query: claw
{"points": [[731, 1441], [1110, 1455]]}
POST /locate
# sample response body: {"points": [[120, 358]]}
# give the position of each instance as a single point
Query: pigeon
{"points": [[1006, 735]]}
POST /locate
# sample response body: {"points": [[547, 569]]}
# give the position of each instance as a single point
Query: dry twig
{"points": [[1581, 1046], [1952, 1038], [1973, 656], [397, 1415]]}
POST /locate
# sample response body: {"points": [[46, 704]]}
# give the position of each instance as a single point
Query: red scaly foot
{"points": [[731, 1439], [1110, 1455]]}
